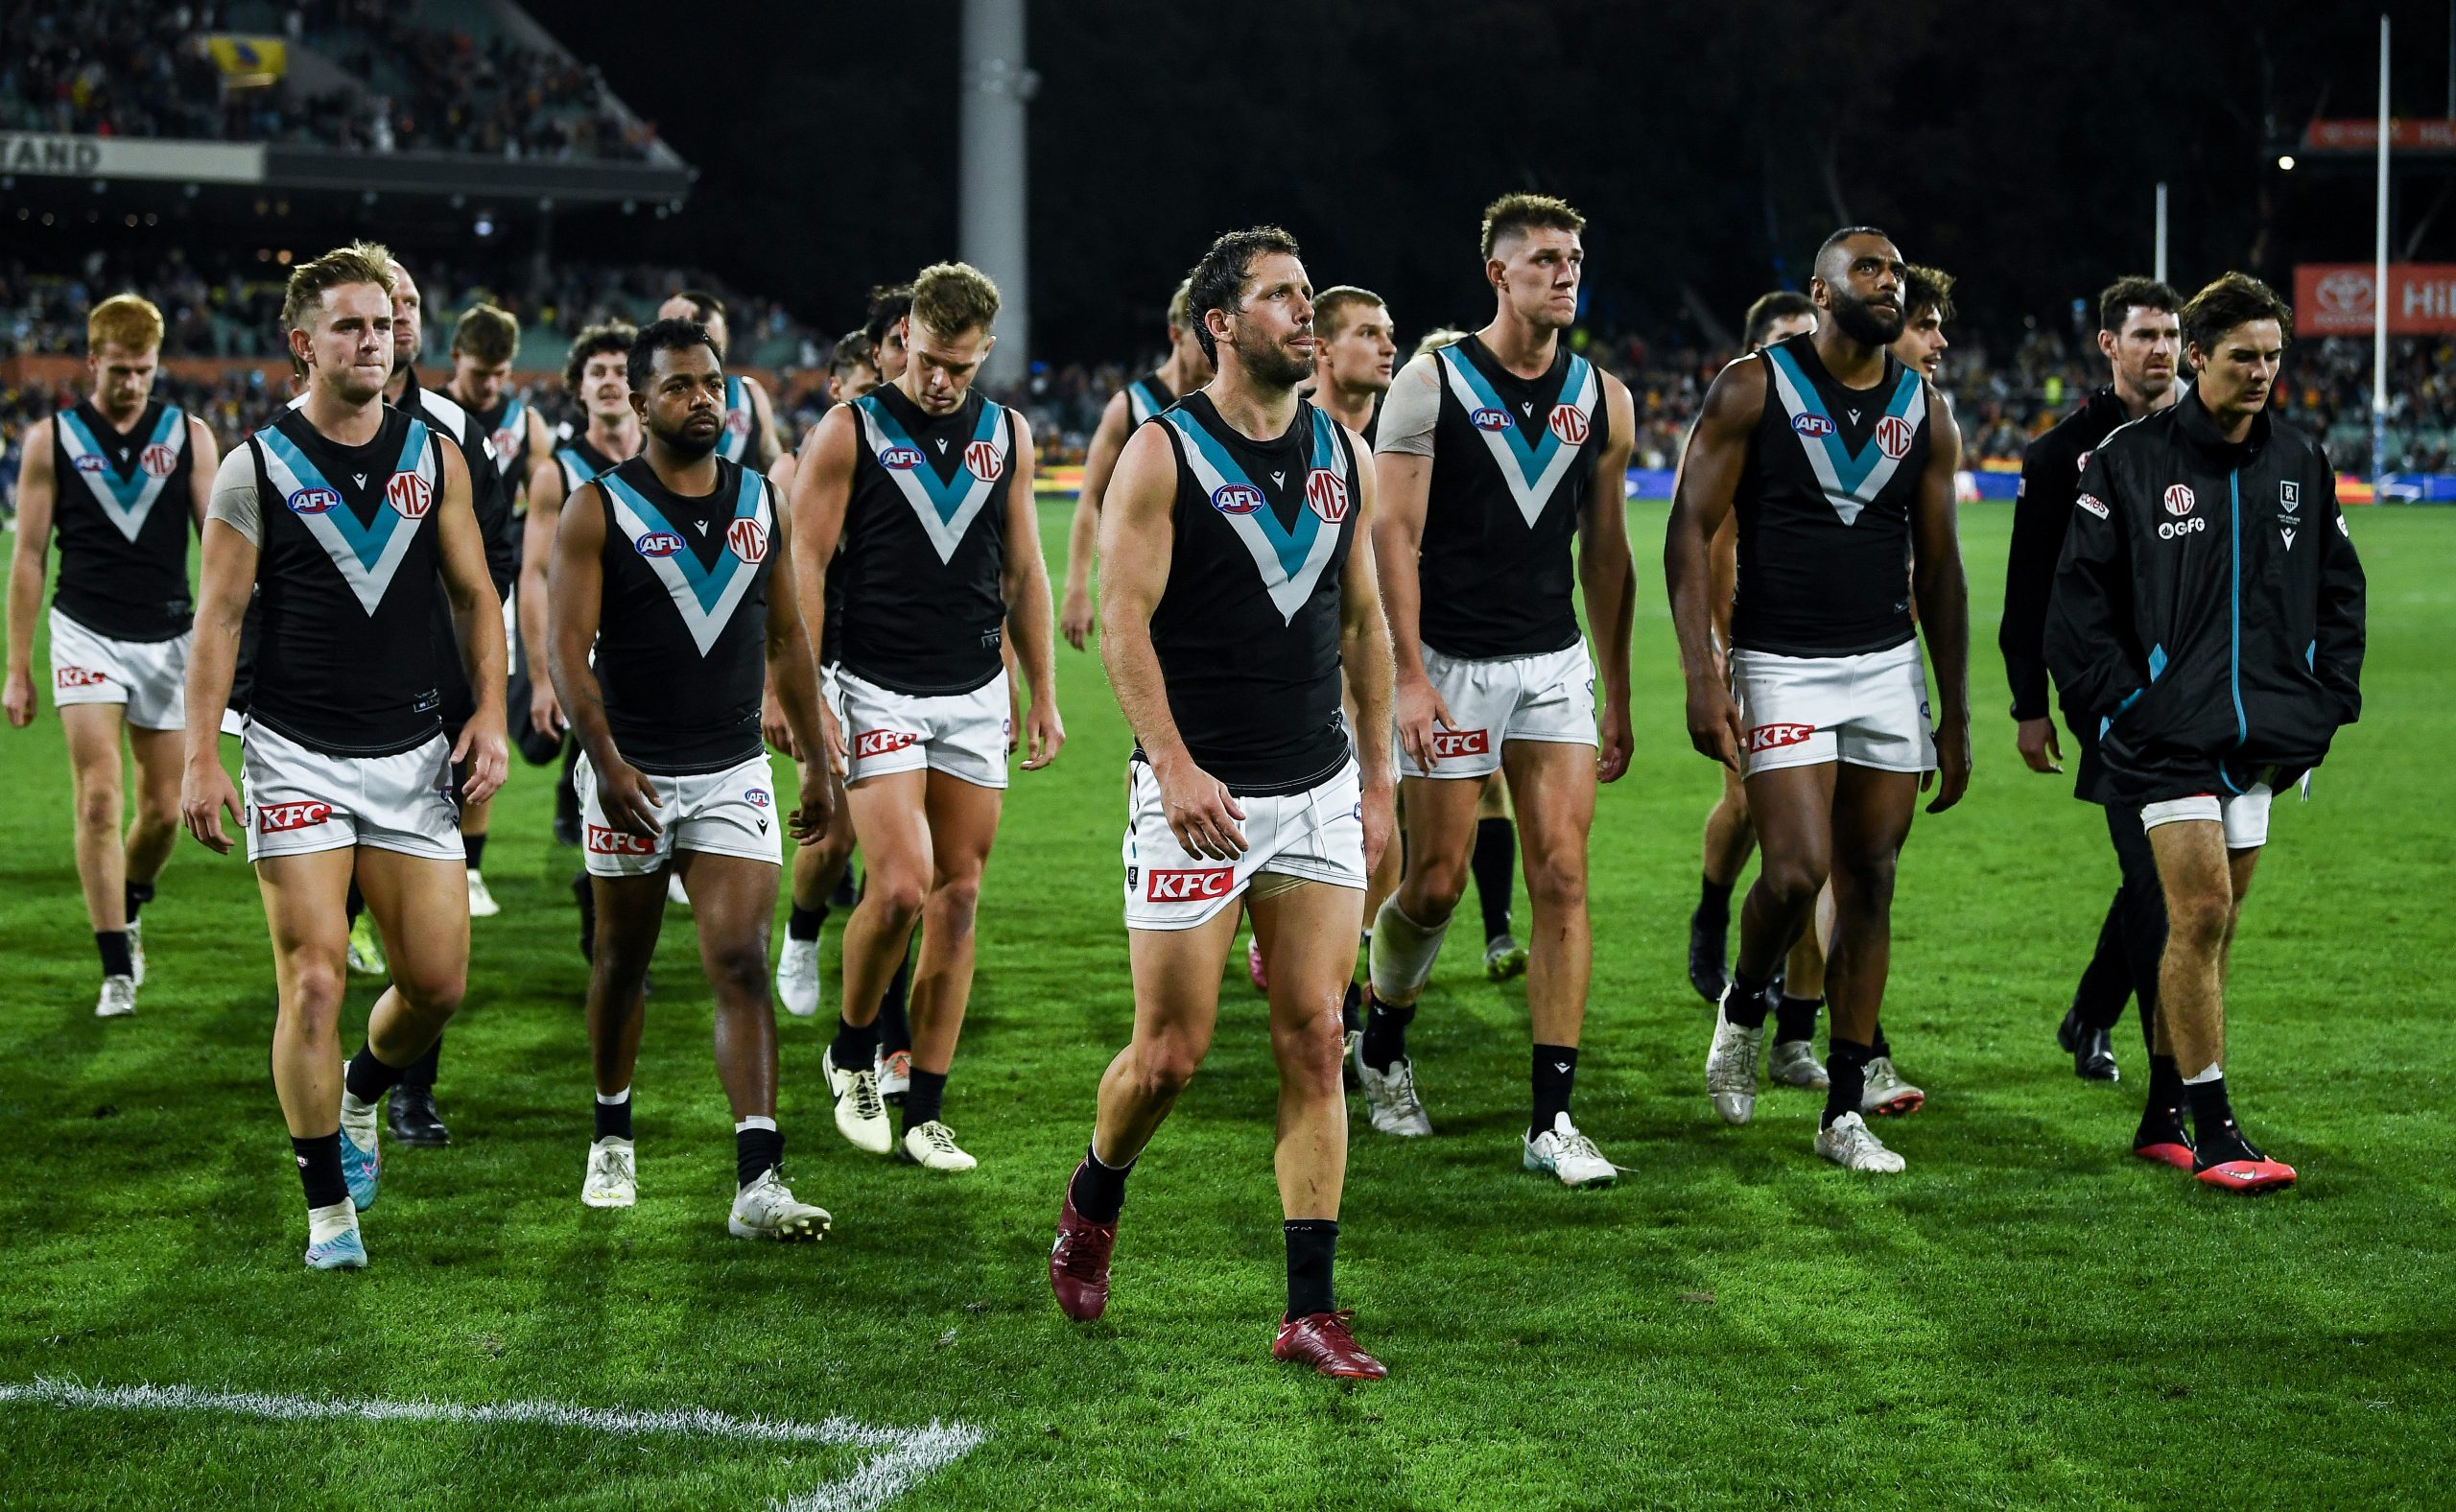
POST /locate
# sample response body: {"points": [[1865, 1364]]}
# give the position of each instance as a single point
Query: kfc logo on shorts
{"points": [[1811, 425], [157, 461], [2093, 503], [1768, 736], [883, 743], [984, 461], [2179, 500], [748, 539], [1326, 494], [1893, 436], [1489, 419], [67, 678], [1189, 885], [1461, 742], [658, 543], [91, 463], [410, 494], [1570, 423], [900, 458], [312, 500], [271, 818], [1237, 498], [606, 841]]}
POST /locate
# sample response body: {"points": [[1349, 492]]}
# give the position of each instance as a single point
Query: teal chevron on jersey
{"points": [[127, 500], [948, 506], [369, 553], [1532, 470], [1851, 479], [1290, 558], [706, 594]]}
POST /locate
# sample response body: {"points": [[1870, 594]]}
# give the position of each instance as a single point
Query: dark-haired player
{"points": [[664, 631], [2141, 339], [1837, 461], [1494, 454], [1237, 588], [751, 419], [2208, 609], [121, 477]]}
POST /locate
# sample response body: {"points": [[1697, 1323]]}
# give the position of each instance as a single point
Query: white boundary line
{"points": [[904, 1457]]}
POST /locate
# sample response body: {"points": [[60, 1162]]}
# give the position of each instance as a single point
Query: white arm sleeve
{"points": [[234, 495], [1409, 411]]}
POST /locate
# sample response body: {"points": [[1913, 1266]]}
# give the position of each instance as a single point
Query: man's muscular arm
{"points": [[822, 490], [28, 562], [1608, 572], [1943, 600], [1701, 500], [1082, 534]]}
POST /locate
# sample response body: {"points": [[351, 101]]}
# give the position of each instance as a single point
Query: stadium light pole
{"points": [[992, 175], [2379, 291], [2160, 258]]}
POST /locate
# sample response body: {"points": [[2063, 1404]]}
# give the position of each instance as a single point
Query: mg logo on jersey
{"points": [[1811, 425], [1189, 885], [606, 841], [271, 818], [2179, 498], [1568, 422], [157, 461], [883, 743], [507, 441], [983, 458], [1769, 737], [1461, 742], [91, 462], [737, 422], [1326, 492], [658, 543], [1489, 419], [312, 500], [1237, 498], [901, 459], [748, 539], [1893, 436], [2093, 503], [66, 677], [411, 494]]}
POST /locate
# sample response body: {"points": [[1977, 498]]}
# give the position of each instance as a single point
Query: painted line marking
{"points": [[904, 1457]]}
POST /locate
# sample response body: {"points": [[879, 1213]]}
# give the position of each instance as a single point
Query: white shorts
{"points": [[1314, 836], [1546, 697], [730, 812], [830, 692], [2245, 815], [148, 677], [301, 800], [962, 733], [1869, 710]]}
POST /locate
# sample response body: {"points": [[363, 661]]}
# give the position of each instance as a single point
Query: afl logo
{"points": [[748, 539], [658, 543], [1490, 420], [983, 458], [1326, 493], [91, 462], [758, 797], [312, 500], [157, 462], [1238, 498], [1893, 436], [2179, 498], [1811, 425], [901, 459], [1568, 422], [411, 494]]}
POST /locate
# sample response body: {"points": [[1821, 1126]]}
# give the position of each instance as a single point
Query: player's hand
{"points": [[1953, 763], [1612, 758], [545, 712], [1044, 732], [2038, 747], [1202, 813], [1416, 709], [628, 799], [205, 794], [809, 820], [489, 754], [1380, 812], [838, 760], [1075, 617], [1714, 720], [19, 699], [773, 725]]}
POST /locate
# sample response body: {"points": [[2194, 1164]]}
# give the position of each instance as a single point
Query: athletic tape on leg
{"points": [[1404, 950]]}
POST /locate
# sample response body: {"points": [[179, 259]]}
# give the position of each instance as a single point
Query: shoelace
{"points": [[940, 1137], [867, 1105], [618, 1164], [1080, 1254], [1403, 1089], [1577, 1144]]}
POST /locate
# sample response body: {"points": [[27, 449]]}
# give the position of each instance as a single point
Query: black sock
{"points": [[805, 923], [1795, 1018], [420, 1073], [319, 1168], [1555, 1074], [1385, 1032], [856, 1046], [924, 1100], [1494, 866], [1846, 1067], [356, 904], [2166, 1088], [1745, 1007], [113, 944], [1098, 1191], [895, 1024], [1713, 900], [368, 1078], [1313, 1250], [1876, 1042], [755, 1152], [1352, 1007], [137, 895], [473, 848], [614, 1119], [2212, 1117]]}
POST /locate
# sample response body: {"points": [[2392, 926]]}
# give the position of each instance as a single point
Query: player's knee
{"points": [[433, 992], [312, 1007], [1556, 881], [896, 896], [1789, 882], [159, 811], [1434, 892], [1163, 1068], [955, 901], [98, 805], [1867, 877], [1310, 1053], [2199, 922], [737, 968]]}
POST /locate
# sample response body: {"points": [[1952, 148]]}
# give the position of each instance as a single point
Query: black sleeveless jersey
{"points": [[682, 632], [1823, 509], [507, 428], [345, 584], [580, 461], [1247, 631], [1513, 459], [740, 424], [924, 544], [121, 508], [1145, 397]]}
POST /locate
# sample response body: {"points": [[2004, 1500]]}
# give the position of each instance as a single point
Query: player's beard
{"points": [[1860, 322], [683, 445], [1269, 364]]}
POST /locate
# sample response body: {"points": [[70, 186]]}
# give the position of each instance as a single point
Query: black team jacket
{"points": [[2050, 476], [2208, 608]]}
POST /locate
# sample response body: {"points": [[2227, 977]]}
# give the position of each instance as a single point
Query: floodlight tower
{"points": [[991, 178]]}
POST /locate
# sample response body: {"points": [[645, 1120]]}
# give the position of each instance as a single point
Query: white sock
{"points": [[2214, 1072], [1404, 950], [331, 1223], [615, 1099], [756, 1121]]}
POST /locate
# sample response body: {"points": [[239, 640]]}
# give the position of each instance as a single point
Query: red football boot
{"points": [[1321, 1340], [2259, 1174], [2168, 1143], [1079, 1262]]}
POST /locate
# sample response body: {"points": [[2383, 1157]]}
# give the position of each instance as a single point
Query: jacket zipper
{"points": [[2234, 507]]}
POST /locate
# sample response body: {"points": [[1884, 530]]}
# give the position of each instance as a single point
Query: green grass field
{"points": [[2027, 1317]]}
